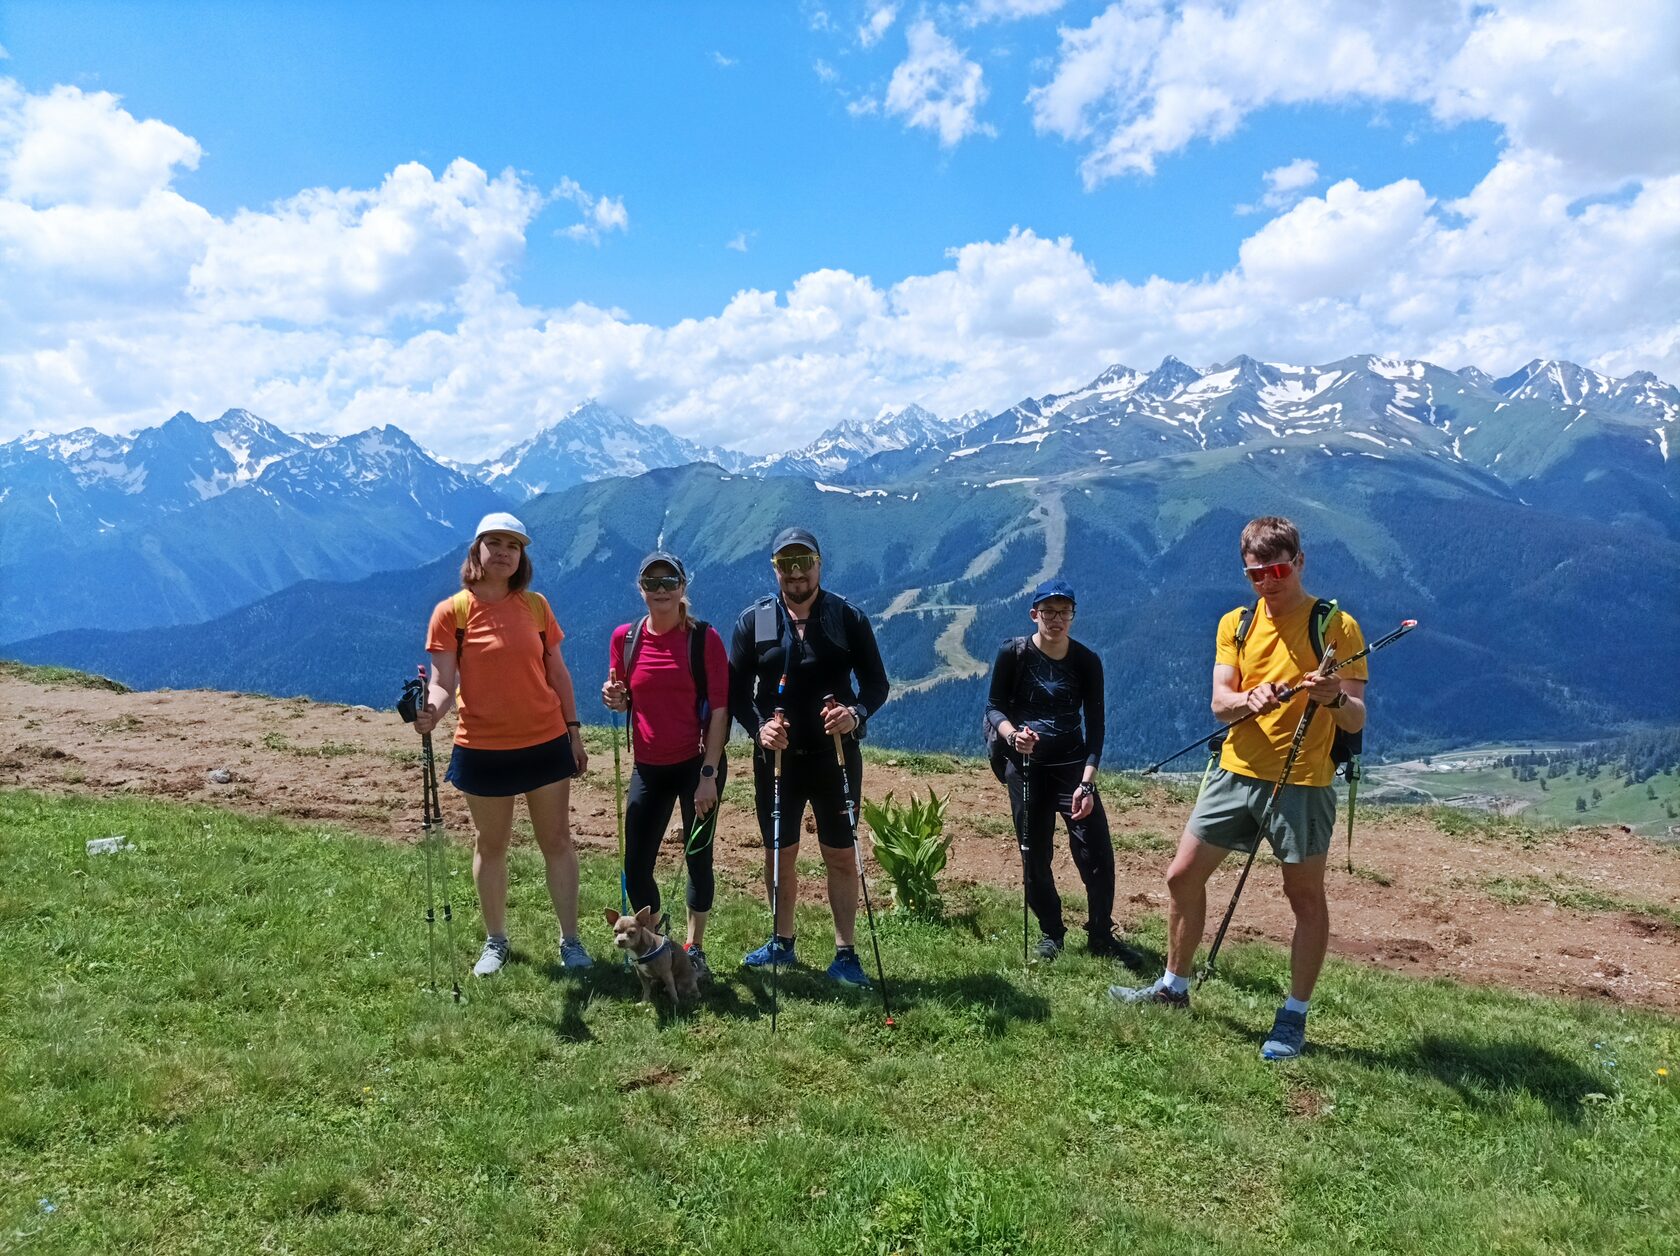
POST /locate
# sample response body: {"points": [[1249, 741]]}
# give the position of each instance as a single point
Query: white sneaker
{"points": [[492, 957], [572, 954]]}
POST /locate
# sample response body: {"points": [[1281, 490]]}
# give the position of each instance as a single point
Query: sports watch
{"points": [[707, 771]]}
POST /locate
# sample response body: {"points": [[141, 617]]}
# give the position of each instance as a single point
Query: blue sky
{"points": [[790, 214]]}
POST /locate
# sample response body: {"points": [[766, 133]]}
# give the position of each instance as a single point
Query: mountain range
{"points": [[1526, 520]]}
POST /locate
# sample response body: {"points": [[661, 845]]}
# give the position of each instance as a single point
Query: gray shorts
{"points": [[1228, 814]]}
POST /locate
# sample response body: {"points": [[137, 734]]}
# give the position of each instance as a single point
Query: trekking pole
{"points": [[1021, 831], [618, 808], [1327, 668], [1265, 821], [776, 879], [863, 881], [432, 843]]}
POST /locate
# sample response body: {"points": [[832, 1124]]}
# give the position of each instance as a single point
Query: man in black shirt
{"points": [[1041, 687], [791, 652]]}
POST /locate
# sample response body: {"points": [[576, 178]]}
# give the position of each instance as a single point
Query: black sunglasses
{"points": [[661, 584]]}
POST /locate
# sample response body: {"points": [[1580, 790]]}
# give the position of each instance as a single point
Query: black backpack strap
{"points": [[697, 631], [632, 642], [767, 622], [1245, 622], [1320, 620]]}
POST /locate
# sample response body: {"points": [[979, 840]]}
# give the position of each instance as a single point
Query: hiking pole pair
{"points": [[1266, 816], [618, 808], [432, 841], [1326, 668], [776, 872], [1021, 831], [857, 853]]}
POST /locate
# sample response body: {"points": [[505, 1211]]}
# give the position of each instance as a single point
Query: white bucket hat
{"points": [[501, 521]]}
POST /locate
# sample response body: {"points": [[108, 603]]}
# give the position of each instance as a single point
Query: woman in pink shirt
{"points": [[675, 684]]}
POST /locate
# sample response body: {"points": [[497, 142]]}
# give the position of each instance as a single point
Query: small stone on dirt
{"points": [[221, 776]]}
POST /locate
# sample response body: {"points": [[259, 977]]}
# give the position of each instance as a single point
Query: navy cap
{"points": [[1053, 588], [666, 557], [795, 536]]}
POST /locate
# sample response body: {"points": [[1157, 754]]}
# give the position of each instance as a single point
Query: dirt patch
{"points": [[653, 1077], [1416, 903]]}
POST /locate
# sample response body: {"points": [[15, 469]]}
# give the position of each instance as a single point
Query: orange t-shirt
{"points": [[505, 701]]}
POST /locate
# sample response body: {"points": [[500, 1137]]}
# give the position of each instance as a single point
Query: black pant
{"points": [[654, 789], [1051, 788], [808, 776]]}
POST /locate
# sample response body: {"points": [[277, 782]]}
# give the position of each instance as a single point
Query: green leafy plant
{"points": [[911, 845]]}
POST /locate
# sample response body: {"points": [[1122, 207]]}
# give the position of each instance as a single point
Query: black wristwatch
{"points": [[707, 771], [1337, 703]]}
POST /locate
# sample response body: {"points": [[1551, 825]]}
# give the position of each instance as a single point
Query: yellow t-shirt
{"points": [[1281, 653]]}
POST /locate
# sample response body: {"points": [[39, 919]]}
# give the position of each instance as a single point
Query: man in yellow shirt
{"points": [[1260, 651]]}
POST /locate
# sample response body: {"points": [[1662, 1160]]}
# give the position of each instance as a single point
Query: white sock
{"points": [[1292, 1004], [1172, 981]]}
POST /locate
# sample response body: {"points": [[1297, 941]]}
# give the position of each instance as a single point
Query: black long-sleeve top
{"points": [[1050, 695], [838, 646]]}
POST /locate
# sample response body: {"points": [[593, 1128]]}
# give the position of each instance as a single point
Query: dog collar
{"points": [[655, 953]]}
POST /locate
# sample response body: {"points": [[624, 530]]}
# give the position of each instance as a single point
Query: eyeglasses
{"points": [[795, 564], [1270, 571], [1054, 616], [661, 584]]}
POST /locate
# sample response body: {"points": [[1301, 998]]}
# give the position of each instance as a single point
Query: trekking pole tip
{"points": [[1408, 623]]}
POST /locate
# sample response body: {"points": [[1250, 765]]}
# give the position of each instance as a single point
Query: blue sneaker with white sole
{"points": [[775, 951], [848, 971], [1288, 1038]]}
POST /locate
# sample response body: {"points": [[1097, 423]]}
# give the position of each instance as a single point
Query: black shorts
{"points": [[503, 773], [807, 777]]}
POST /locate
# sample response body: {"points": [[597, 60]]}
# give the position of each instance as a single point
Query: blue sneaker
{"points": [[1289, 1036], [847, 970], [775, 951]]}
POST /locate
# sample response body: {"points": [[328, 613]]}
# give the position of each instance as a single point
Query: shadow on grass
{"points": [[1488, 1073], [1484, 1074]]}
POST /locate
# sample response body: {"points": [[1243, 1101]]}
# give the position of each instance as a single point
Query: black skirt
{"points": [[503, 773]]}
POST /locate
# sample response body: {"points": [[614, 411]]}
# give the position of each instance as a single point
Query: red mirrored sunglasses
{"points": [[1269, 571]]}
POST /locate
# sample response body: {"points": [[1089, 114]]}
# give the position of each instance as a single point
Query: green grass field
{"points": [[219, 1041], [1644, 806]]}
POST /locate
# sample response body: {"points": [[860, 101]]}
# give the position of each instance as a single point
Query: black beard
{"points": [[801, 601]]}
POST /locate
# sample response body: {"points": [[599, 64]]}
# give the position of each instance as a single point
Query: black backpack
{"points": [[696, 664], [997, 749]]}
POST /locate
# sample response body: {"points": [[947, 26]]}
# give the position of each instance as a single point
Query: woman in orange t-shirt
{"points": [[517, 732]]}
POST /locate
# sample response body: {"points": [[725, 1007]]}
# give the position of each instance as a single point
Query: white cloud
{"points": [[306, 311], [937, 88], [740, 240], [723, 62], [863, 107], [879, 21], [71, 147], [601, 214], [824, 70], [1144, 79], [1007, 10], [1284, 185]]}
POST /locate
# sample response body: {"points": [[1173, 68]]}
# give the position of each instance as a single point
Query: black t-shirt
{"points": [[1052, 697], [838, 645]]}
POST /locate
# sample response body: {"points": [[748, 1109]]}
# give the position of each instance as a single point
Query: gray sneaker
{"points": [[697, 961], [1288, 1038], [491, 958], [1157, 993], [1047, 949], [572, 954]]}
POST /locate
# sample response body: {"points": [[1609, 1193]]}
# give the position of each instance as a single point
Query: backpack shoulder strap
{"points": [[632, 642], [767, 621], [1245, 621], [462, 602], [537, 604], [697, 637], [1324, 610]]}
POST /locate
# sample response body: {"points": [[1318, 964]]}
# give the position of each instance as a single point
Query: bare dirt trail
{"points": [[1435, 916]]}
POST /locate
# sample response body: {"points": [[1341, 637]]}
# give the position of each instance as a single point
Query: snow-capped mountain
{"points": [[854, 441], [590, 443]]}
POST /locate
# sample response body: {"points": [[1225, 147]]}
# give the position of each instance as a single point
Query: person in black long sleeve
{"points": [[794, 651], [1046, 703]]}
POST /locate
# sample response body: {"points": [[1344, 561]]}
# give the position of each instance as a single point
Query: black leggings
{"points": [[654, 789], [1051, 788]]}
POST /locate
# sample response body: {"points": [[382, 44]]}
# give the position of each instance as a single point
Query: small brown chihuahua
{"points": [[659, 964]]}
